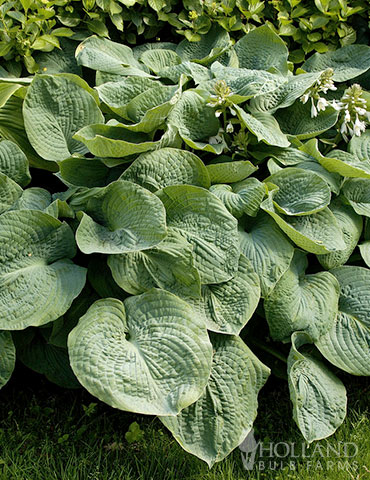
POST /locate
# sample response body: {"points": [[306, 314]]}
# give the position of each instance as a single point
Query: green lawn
{"points": [[48, 433]]}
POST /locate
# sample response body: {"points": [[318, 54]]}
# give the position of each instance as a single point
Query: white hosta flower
{"points": [[322, 103], [360, 111], [347, 116], [313, 110], [229, 128], [218, 113], [305, 97], [358, 127]]}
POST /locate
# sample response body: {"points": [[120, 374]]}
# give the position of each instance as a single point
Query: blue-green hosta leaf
{"points": [[38, 281], [6, 91], [302, 302], [36, 198], [10, 192], [226, 170], [301, 192], [333, 180], [7, 357], [347, 344], [122, 217], [203, 220], [219, 421], [150, 354], [285, 95], [357, 192], [241, 198], [196, 123], [87, 172], [55, 108], [262, 49], [167, 166], [227, 307], [268, 249], [351, 225], [296, 120], [138, 50], [59, 60], [318, 396], [360, 147], [107, 56], [169, 265], [316, 233], [14, 163], [193, 71], [264, 126], [347, 62], [158, 59], [365, 252]]}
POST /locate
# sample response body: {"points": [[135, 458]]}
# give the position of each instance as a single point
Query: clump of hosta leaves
{"points": [[194, 221]]}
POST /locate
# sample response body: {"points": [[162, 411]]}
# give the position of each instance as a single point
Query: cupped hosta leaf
{"points": [[159, 59], [34, 198], [347, 62], [318, 396], [302, 302], [115, 140], [7, 357], [351, 225], [54, 109], [296, 120], [242, 197], [107, 56], [122, 217], [333, 180], [10, 192], [357, 192], [226, 170], [360, 146], [38, 281], [268, 249], [14, 163], [227, 307], [347, 344], [169, 265], [316, 233], [196, 122], [301, 192], [262, 49], [150, 354], [219, 421], [87, 172], [203, 220], [264, 126], [167, 166]]}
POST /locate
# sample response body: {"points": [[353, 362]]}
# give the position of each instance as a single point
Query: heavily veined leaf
{"points": [[34, 198], [347, 344], [262, 49], [316, 233], [351, 225], [241, 198], [122, 217], [360, 147], [264, 126], [158, 59], [87, 172], [7, 357], [150, 354], [167, 166], [10, 192], [365, 252], [226, 170], [227, 307], [38, 281], [318, 396], [267, 248], [347, 62], [357, 192], [6, 91], [333, 180], [14, 163], [169, 265], [301, 192], [206, 224], [191, 70], [219, 421], [60, 60], [307, 303], [55, 108]]}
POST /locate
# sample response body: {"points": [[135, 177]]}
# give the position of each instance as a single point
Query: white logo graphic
{"points": [[249, 449]]}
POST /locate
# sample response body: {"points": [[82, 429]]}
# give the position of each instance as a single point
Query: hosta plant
{"points": [[194, 228]]}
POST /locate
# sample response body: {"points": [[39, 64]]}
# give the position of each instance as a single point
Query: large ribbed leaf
{"points": [[167, 166], [318, 396], [227, 307], [122, 217], [38, 281], [365, 252], [347, 344], [87, 172], [316, 233], [360, 146], [268, 249], [7, 357], [357, 192], [227, 170], [203, 220], [150, 354], [10, 192], [207, 49], [301, 192], [159, 59], [54, 109], [14, 163], [302, 302], [169, 265], [219, 421], [351, 225]]}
